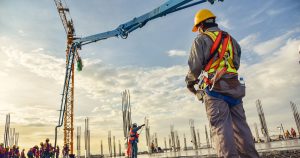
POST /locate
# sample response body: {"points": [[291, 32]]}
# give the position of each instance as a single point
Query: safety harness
{"points": [[220, 62], [133, 135]]}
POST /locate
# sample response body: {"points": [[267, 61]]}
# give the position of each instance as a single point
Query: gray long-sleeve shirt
{"points": [[199, 56]]}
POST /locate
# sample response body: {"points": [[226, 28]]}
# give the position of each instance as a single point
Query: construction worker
{"points": [[293, 133], [42, 150], [215, 59], [2, 150], [47, 148], [66, 151], [133, 140], [287, 134], [30, 153], [57, 152], [23, 154]]}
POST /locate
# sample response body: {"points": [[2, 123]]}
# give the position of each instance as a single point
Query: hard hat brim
{"points": [[195, 29]]}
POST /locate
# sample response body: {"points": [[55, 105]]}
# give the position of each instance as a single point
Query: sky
{"points": [[151, 63]]}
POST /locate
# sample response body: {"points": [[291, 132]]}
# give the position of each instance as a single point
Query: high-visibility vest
{"points": [[221, 54], [220, 63]]}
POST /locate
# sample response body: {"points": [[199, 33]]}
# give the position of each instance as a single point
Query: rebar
{"points": [[193, 134], [78, 141], [296, 115], [264, 128]]}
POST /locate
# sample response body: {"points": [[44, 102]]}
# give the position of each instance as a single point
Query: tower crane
{"points": [[68, 110], [73, 44]]}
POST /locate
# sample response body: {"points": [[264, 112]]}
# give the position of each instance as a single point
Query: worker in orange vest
{"points": [[293, 133], [133, 140], [213, 63]]}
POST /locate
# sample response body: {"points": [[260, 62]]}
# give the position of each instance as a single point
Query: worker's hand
{"points": [[143, 125], [191, 86], [200, 94]]}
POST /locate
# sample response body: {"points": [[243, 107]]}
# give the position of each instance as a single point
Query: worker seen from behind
{"points": [[23, 154], [2, 150], [57, 152], [213, 63], [132, 150]]}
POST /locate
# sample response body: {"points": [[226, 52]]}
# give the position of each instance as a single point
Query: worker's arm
{"points": [[237, 54], [195, 62], [138, 128]]}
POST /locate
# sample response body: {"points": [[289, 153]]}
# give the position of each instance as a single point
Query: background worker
{"points": [[216, 55], [134, 139]]}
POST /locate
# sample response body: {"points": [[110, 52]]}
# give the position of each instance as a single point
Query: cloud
{"points": [[248, 42], [271, 45], [225, 23], [37, 50], [173, 53], [95, 109], [274, 81]]}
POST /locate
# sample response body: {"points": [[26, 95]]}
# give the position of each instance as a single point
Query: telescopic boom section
{"points": [[124, 29]]}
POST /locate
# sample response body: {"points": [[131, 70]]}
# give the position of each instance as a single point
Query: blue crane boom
{"points": [[124, 29], [121, 31]]}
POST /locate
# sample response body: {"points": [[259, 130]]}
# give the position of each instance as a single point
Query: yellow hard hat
{"points": [[201, 16]]}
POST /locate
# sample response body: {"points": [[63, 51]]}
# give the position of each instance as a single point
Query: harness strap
{"points": [[221, 54], [214, 50]]}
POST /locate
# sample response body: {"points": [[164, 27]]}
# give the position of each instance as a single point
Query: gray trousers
{"points": [[231, 134]]}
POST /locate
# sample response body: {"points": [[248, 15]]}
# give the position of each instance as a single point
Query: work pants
{"points": [[231, 134], [134, 150]]}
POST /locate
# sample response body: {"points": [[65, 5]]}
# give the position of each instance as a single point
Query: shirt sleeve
{"points": [[237, 54], [196, 61]]}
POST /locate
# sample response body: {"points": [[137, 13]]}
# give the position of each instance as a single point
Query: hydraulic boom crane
{"points": [[122, 31]]}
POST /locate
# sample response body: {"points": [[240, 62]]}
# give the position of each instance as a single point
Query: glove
{"points": [[143, 125], [200, 94], [190, 86]]}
